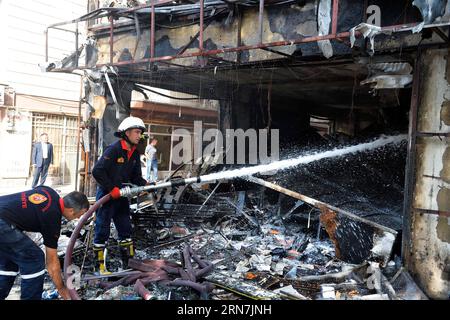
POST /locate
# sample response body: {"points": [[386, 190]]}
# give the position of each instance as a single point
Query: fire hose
{"points": [[73, 238], [124, 192]]}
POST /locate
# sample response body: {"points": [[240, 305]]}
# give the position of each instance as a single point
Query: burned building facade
{"points": [[346, 69]]}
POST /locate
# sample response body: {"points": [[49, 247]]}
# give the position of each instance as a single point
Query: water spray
{"points": [[277, 165]]}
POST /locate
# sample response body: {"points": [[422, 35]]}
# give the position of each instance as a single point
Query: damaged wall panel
{"points": [[429, 250], [280, 23]]}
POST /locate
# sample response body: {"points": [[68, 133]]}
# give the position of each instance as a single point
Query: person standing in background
{"points": [[42, 157], [152, 161]]}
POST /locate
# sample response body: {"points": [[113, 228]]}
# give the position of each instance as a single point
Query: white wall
{"points": [[2, 36], [22, 26], [156, 98]]}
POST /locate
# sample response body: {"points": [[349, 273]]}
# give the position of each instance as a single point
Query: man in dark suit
{"points": [[42, 157]]}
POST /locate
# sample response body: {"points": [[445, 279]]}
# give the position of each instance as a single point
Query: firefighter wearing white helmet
{"points": [[129, 124], [119, 164]]}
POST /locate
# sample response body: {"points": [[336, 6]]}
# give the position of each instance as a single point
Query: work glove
{"points": [[115, 193]]}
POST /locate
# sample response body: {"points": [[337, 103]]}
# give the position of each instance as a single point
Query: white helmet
{"points": [[130, 123]]}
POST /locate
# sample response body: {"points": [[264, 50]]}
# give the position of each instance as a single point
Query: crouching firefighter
{"points": [[119, 164], [37, 210]]}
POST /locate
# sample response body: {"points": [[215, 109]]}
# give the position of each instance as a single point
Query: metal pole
{"points": [[207, 199], [335, 16], [152, 31], [239, 36], [200, 46], [111, 39], [171, 150], [46, 45], [94, 157], [76, 45], [86, 170], [77, 164], [138, 35], [261, 20], [63, 156]]}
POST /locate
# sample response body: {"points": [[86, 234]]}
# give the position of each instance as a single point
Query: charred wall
{"points": [[427, 223]]}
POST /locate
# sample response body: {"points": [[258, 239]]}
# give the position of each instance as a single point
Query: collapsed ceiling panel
{"points": [[433, 10]]}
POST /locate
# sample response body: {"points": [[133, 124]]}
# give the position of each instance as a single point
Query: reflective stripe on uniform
{"points": [[8, 273], [33, 275]]}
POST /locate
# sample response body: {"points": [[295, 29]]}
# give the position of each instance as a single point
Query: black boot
{"points": [[126, 251]]}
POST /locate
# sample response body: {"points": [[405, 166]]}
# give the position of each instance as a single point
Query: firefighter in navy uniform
{"points": [[119, 164], [37, 210]]}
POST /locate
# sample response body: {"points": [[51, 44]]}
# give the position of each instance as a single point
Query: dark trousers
{"points": [[18, 253], [116, 210], [42, 172]]}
